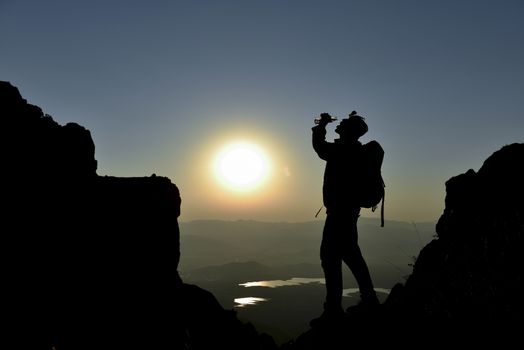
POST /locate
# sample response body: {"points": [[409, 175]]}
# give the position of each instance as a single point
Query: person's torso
{"points": [[341, 176]]}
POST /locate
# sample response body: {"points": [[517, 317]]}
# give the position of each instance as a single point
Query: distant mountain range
{"points": [[246, 250], [238, 272]]}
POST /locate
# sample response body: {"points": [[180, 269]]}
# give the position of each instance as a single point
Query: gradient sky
{"points": [[162, 85]]}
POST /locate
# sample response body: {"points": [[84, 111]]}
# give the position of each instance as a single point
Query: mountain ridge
{"points": [[362, 220]]}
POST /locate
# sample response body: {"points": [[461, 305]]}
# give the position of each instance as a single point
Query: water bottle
{"points": [[332, 119]]}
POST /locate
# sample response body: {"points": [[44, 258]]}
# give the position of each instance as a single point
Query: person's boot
{"points": [[370, 299], [368, 302], [331, 315]]}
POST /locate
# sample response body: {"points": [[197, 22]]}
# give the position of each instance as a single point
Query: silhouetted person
{"points": [[340, 237]]}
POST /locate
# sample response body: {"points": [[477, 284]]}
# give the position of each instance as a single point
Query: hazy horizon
{"points": [[164, 87], [218, 242], [320, 219]]}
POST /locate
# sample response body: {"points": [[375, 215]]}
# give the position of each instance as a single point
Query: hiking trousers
{"points": [[340, 244]]}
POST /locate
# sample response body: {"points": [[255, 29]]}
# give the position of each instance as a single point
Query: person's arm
{"points": [[320, 145]]}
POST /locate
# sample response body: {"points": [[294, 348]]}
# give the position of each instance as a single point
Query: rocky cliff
{"points": [[472, 272], [88, 261]]}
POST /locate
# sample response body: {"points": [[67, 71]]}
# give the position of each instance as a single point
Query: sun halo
{"points": [[241, 166]]}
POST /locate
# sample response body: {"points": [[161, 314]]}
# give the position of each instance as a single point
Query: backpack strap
{"points": [[381, 207], [318, 212], [382, 210]]}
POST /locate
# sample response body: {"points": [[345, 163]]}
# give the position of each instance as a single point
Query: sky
{"points": [[163, 86]]}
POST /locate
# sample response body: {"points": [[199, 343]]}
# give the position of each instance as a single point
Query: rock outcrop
{"points": [[88, 261], [471, 274]]}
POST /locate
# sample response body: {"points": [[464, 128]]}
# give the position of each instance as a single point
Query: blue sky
{"points": [[163, 84]]}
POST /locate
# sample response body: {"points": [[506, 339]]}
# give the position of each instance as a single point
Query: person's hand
{"points": [[325, 118]]}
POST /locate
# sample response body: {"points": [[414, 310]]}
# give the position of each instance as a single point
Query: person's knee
{"points": [[352, 251], [327, 252], [330, 264], [353, 258]]}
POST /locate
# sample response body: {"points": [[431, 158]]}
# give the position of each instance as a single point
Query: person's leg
{"points": [[330, 256], [353, 258]]}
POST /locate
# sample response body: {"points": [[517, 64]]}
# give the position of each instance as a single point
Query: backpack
{"points": [[372, 185]]}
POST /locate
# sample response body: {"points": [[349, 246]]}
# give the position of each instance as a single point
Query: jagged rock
{"points": [[208, 326], [88, 261], [471, 274], [40, 148]]}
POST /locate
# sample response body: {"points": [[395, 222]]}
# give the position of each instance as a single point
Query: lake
{"points": [[296, 281]]}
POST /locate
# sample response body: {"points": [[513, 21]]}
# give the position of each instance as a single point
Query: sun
{"points": [[242, 166]]}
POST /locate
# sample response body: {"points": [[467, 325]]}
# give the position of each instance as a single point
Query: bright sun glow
{"points": [[242, 166]]}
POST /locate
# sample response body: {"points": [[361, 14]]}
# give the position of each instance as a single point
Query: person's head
{"points": [[352, 128]]}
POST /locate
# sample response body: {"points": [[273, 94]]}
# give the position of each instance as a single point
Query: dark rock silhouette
{"points": [[472, 272], [88, 261], [467, 284]]}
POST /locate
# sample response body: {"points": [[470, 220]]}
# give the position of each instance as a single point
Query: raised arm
{"points": [[320, 145]]}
